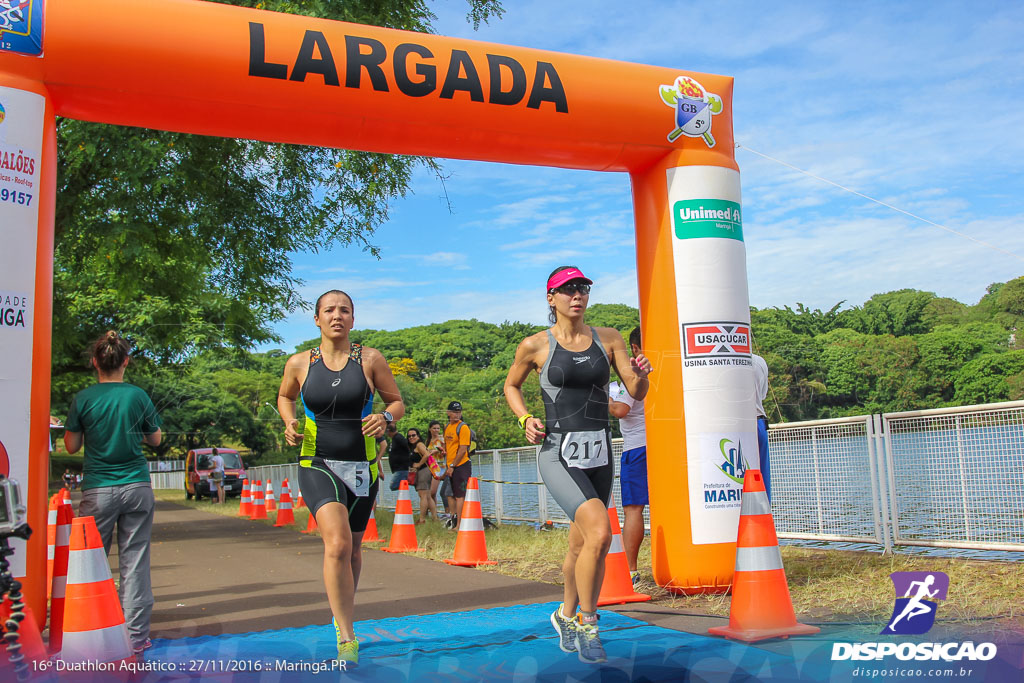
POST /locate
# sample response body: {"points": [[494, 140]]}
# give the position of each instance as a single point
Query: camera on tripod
{"points": [[12, 510]]}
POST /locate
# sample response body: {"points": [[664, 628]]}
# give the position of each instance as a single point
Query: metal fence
{"points": [[825, 483], [956, 476], [166, 465], [950, 477], [168, 480]]}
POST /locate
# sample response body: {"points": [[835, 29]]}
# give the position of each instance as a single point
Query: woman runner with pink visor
{"points": [[574, 362]]}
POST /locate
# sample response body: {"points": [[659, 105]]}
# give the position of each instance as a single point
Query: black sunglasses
{"points": [[571, 289]]}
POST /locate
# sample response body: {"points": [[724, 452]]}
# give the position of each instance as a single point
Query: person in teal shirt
{"points": [[112, 419]]}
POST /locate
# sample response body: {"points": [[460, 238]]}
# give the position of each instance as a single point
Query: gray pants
{"points": [[131, 507]]}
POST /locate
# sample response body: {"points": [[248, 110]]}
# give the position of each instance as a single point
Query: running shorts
{"points": [[573, 486], [319, 486], [460, 478], [633, 476]]}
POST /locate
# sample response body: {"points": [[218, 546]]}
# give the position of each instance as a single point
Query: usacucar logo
{"points": [[717, 339]]}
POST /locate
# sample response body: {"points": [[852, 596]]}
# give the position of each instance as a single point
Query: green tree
{"points": [[620, 316], [898, 313], [949, 348], [871, 373], [803, 320], [943, 311], [990, 378]]}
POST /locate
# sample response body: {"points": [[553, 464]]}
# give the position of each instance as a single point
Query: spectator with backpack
{"points": [[458, 438]]}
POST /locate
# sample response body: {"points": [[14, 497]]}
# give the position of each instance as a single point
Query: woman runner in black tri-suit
{"points": [[574, 363], [338, 469]]}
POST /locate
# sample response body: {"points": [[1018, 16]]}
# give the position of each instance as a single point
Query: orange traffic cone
{"points": [[617, 586], [403, 531], [94, 629], [311, 526], [371, 535], [269, 500], [299, 503], [51, 540], [285, 516], [259, 510], [29, 636], [60, 577], [470, 545], [245, 506], [761, 607], [65, 498]]}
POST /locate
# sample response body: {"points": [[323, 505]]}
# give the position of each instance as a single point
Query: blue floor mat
{"points": [[499, 644], [504, 643]]}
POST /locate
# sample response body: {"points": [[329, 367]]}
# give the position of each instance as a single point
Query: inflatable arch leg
{"points": [[28, 143], [691, 265]]}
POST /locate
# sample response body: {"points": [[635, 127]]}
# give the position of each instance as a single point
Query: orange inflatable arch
{"points": [[213, 69]]}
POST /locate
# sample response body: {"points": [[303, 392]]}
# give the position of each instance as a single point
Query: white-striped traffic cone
{"points": [[51, 540], [285, 516], [617, 586], [245, 506], [470, 545], [269, 500], [403, 531], [94, 628], [760, 607], [60, 577]]}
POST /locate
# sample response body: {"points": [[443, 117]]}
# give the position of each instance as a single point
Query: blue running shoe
{"points": [[588, 643], [565, 627]]}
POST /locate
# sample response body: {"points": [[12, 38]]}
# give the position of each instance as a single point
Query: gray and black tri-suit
{"points": [[575, 458]]}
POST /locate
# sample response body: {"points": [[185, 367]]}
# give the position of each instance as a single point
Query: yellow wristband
{"points": [[523, 419]]}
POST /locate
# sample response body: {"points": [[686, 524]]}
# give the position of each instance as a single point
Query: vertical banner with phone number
{"points": [[714, 314], [21, 142]]}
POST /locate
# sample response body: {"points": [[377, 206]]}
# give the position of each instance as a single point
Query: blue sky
{"points": [[917, 104]]}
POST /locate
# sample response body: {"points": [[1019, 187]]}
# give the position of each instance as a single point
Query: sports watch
{"points": [[388, 417]]}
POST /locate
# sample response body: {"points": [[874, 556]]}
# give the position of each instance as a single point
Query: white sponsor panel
{"points": [[21, 143], [714, 314], [715, 462]]}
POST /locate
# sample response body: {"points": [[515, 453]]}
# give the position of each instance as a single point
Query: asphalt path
{"points": [[214, 574]]}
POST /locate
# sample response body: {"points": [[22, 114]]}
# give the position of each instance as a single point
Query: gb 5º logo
{"points": [[914, 612], [694, 106]]}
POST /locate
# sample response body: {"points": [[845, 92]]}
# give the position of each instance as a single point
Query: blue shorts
{"points": [[633, 476]]}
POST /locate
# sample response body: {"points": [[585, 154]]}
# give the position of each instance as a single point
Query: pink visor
{"points": [[563, 276]]}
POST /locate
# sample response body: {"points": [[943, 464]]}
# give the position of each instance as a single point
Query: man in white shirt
{"points": [[633, 466], [760, 391]]}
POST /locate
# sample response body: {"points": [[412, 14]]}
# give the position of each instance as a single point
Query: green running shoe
{"points": [[348, 650], [565, 627], [588, 643]]}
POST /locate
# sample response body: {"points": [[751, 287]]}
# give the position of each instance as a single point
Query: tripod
{"points": [[11, 588]]}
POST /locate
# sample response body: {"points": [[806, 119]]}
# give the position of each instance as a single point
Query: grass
{"points": [[825, 585]]}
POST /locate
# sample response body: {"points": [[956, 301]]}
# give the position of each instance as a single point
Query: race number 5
{"points": [[356, 475]]}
